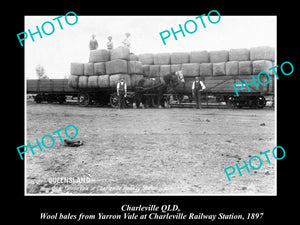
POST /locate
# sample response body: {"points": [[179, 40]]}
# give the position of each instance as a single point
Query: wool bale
{"points": [[146, 70], [232, 68], [93, 81], [245, 67], [116, 66], [191, 69], [73, 81], [164, 70], [88, 69], [199, 57], [154, 70], [134, 67], [135, 79], [206, 69], [77, 69], [133, 57], [99, 68], [99, 55], [219, 69], [261, 65], [120, 53], [114, 79], [180, 57], [146, 58], [218, 56], [175, 67], [262, 53], [83, 82], [239, 54], [162, 59], [103, 81]]}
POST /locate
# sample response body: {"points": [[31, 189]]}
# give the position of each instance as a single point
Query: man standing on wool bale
{"points": [[109, 44], [126, 41], [122, 93], [197, 87], [93, 43]]}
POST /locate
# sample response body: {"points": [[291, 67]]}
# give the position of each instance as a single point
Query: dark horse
{"points": [[154, 88]]}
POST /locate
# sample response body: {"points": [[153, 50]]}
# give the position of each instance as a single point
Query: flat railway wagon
{"points": [[219, 88], [57, 90], [49, 90]]}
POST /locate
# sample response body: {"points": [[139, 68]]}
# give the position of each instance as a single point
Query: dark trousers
{"points": [[197, 96], [121, 100]]}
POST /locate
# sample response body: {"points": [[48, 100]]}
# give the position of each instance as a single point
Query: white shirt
{"points": [[118, 85], [201, 83], [126, 43]]}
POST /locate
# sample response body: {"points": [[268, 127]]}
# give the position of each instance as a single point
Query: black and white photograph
{"points": [[148, 112], [190, 116]]}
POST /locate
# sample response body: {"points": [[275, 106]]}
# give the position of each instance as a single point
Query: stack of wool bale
{"points": [[105, 68], [208, 64], [214, 63]]}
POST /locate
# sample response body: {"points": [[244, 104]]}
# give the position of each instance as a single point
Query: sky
{"points": [[55, 52]]}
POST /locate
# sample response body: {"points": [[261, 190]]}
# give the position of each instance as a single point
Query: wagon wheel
{"points": [[38, 98], [260, 102], [231, 102], [114, 100], [83, 99]]}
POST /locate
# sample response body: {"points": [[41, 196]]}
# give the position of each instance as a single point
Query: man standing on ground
{"points": [[122, 93], [197, 87], [93, 43]]}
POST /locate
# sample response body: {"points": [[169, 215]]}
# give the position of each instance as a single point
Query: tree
{"points": [[40, 71]]}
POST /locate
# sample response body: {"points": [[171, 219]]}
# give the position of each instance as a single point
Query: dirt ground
{"points": [[150, 151]]}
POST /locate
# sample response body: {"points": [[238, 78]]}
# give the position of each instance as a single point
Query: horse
{"points": [[160, 86], [172, 80]]}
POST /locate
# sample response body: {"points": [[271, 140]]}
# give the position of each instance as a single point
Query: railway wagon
{"points": [[57, 90], [221, 89], [50, 90]]}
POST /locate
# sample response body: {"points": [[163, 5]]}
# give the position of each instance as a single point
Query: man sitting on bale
{"points": [[197, 87], [122, 93]]}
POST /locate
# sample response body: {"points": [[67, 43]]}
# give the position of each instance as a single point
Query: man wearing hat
{"points": [[122, 93], [197, 87]]}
